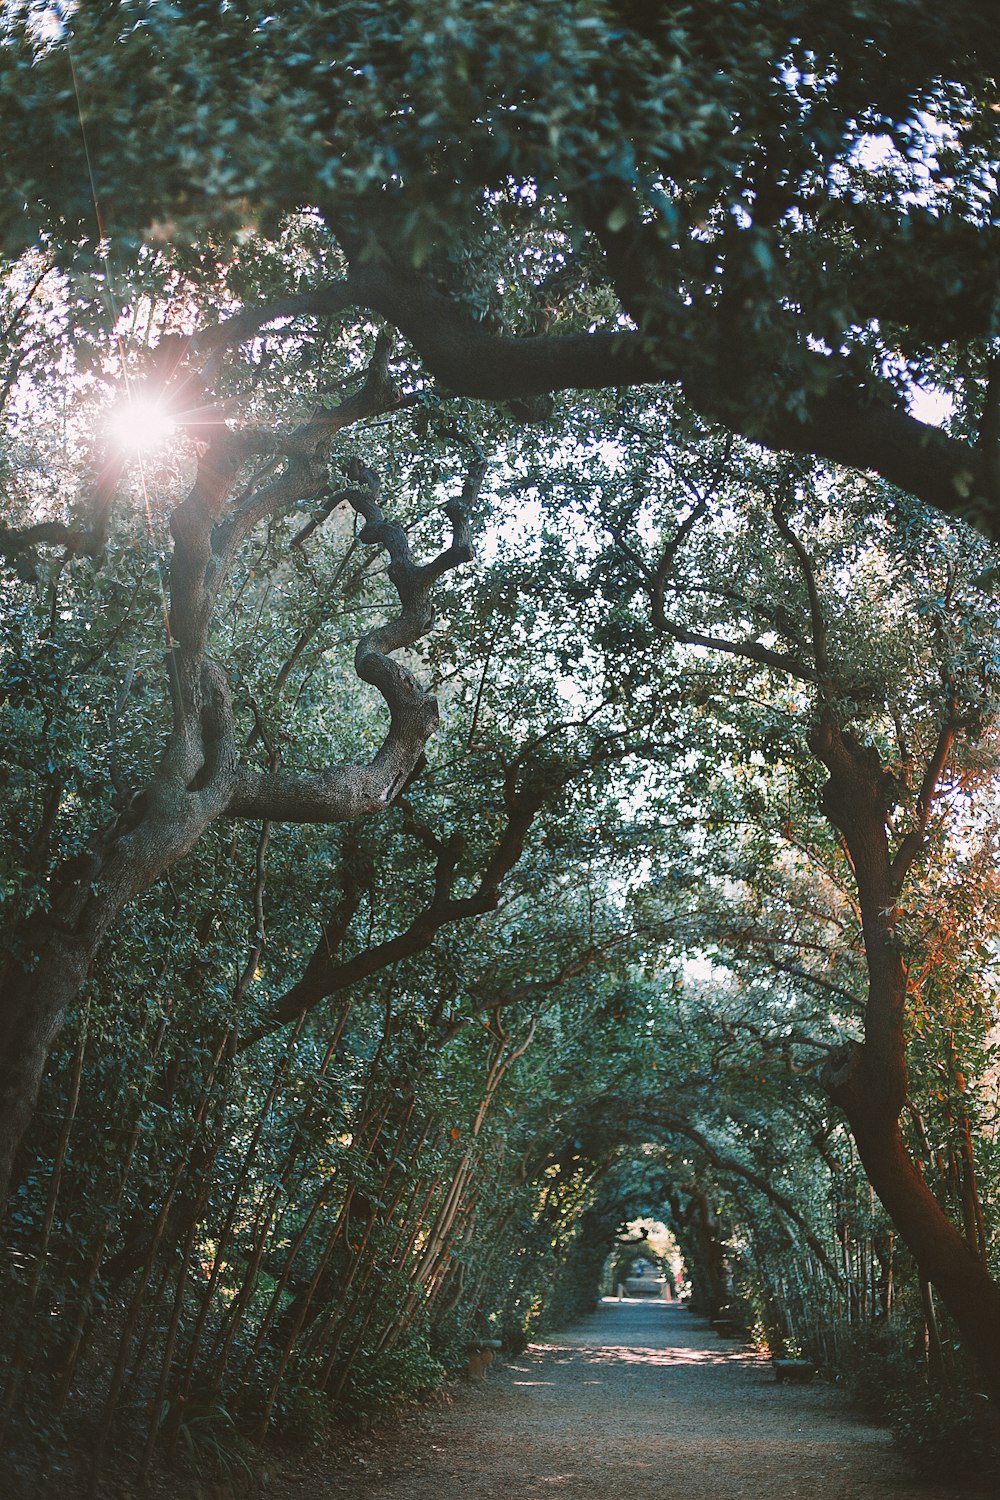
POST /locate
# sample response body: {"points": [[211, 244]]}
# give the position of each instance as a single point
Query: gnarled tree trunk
{"points": [[203, 774], [868, 1080]]}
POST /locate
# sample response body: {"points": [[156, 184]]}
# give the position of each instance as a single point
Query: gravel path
{"points": [[638, 1400]]}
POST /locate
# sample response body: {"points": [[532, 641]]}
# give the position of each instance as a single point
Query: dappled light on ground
{"points": [[641, 1394], [610, 1354], [671, 1338]]}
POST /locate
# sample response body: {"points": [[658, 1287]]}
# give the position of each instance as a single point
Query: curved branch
{"points": [[342, 792], [808, 570], [85, 536], [326, 975], [780, 1201], [821, 410], [795, 971], [456, 349], [656, 580]]}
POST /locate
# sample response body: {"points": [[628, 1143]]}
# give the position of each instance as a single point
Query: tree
{"points": [[284, 1052], [784, 213], [693, 217], [892, 701], [203, 773], [770, 223]]}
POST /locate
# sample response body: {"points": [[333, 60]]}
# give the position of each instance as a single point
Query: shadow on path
{"points": [[638, 1399]]}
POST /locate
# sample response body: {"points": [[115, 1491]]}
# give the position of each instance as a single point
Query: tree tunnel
{"points": [[730, 1238]]}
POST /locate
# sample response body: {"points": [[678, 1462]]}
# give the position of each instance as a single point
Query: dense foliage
{"points": [[468, 794]]}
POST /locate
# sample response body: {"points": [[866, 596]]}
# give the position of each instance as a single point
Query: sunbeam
{"points": [[140, 424]]}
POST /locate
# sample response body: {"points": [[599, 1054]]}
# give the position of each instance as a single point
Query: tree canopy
{"points": [[498, 696], [785, 213]]}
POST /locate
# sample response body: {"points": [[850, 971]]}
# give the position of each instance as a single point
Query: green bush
{"points": [[380, 1382], [305, 1415], [948, 1435], [877, 1379]]}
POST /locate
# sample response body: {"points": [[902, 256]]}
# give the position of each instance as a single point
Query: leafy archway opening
{"points": [[646, 1250]]}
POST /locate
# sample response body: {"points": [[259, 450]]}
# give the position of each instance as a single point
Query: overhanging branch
{"points": [[822, 410]]}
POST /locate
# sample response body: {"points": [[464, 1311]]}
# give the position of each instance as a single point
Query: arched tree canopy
{"points": [[784, 211], [385, 925]]}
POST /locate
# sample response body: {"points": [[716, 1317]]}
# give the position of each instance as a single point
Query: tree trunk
{"points": [[38, 990], [200, 776], [957, 1274], [869, 1080]]}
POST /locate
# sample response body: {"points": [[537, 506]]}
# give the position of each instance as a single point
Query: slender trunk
{"points": [[972, 1208], [18, 1367], [32, 1008], [935, 1358], [39, 992]]}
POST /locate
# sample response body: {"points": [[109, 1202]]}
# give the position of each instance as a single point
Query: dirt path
{"points": [[639, 1399]]}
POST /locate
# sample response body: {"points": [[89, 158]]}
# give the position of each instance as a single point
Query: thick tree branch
{"points": [[823, 411], [342, 792], [199, 776], [457, 349]]}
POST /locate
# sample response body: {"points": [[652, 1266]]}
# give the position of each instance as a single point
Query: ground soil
{"points": [[639, 1399]]}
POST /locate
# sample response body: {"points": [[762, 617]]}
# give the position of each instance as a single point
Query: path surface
{"points": [[639, 1401]]}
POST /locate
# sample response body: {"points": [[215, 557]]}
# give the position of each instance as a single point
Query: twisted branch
{"points": [[342, 792]]}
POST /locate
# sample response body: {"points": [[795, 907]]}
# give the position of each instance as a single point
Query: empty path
{"points": [[639, 1400]]}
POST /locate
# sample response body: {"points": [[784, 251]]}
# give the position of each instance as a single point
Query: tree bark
{"points": [[955, 1271], [201, 776], [837, 420], [868, 1080], [38, 991]]}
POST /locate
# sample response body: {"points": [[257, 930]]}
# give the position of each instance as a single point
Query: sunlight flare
{"points": [[140, 424]]}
